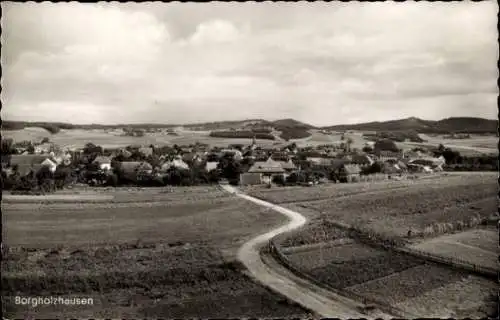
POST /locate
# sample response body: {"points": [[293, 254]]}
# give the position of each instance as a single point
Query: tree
{"points": [[349, 143], [7, 146], [230, 168], [367, 149], [386, 145], [91, 148]]}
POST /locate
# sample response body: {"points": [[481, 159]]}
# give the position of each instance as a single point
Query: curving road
{"points": [[323, 303]]}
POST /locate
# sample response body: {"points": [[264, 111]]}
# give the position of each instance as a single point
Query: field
{"points": [[479, 246], [398, 280], [390, 210], [77, 138], [172, 258], [327, 191], [480, 141]]}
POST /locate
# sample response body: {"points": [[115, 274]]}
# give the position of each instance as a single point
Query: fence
{"points": [[277, 252]]}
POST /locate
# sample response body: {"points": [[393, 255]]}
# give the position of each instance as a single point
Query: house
{"points": [[133, 169], [350, 172], [363, 160], [280, 156], [288, 166], [384, 155], [211, 165], [429, 162], [262, 172], [237, 155], [103, 162], [319, 161], [177, 163], [192, 157], [146, 151]]}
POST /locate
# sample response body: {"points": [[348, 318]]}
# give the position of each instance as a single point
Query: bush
{"points": [[45, 140]]}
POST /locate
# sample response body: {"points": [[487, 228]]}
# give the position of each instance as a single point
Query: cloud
{"points": [[324, 63]]}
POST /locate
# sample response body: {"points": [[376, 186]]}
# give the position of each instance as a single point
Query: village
{"points": [[45, 166]]}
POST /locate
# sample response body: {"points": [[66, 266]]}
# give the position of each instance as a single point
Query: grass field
{"points": [[172, 259], [477, 246], [392, 210], [298, 194], [77, 138]]}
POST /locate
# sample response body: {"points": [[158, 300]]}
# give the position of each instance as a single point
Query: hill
{"points": [[291, 123], [449, 125]]}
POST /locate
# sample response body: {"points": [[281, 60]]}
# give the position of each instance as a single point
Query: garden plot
{"points": [[409, 283], [464, 298], [474, 246], [346, 268], [320, 257]]}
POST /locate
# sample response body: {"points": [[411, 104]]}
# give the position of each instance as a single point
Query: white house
{"points": [[176, 163], [49, 164]]}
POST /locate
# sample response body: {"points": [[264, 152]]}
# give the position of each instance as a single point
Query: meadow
{"points": [[172, 258]]}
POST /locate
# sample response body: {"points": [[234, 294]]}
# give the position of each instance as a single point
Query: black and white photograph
{"points": [[264, 160]]}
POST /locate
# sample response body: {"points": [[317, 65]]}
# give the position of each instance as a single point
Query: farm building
{"points": [[103, 162], [262, 172], [350, 172]]}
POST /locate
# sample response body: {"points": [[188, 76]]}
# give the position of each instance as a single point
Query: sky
{"points": [[321, 63]]}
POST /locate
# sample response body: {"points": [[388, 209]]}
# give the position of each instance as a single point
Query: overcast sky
{"points": [[322, 63]]}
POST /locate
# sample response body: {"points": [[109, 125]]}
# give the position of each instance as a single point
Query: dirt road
{"points": [[323, 303]]}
